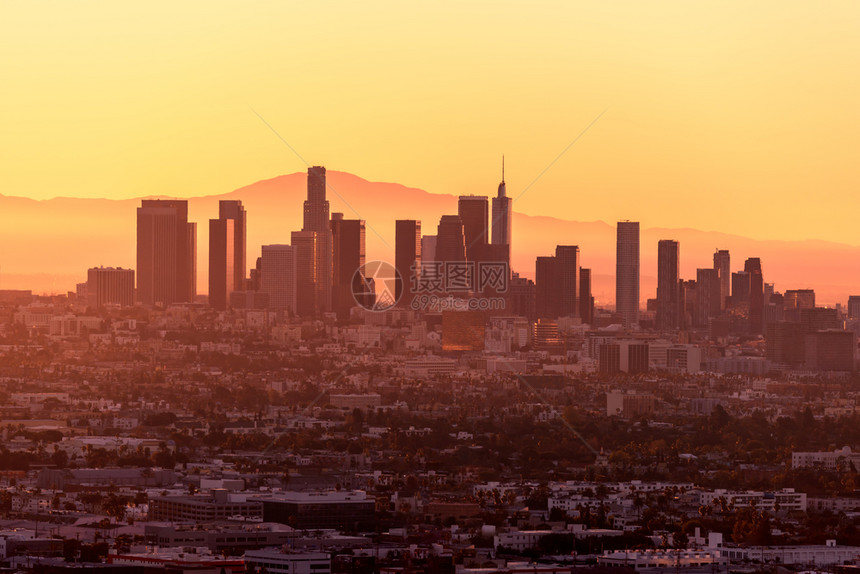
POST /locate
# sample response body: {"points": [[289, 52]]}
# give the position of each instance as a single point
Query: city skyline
{"points": [[381, 239]]}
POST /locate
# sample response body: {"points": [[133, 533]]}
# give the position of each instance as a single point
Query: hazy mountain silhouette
{"points": [[48, 245]]}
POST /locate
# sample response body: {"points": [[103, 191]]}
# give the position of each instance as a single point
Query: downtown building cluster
{"points": [[459, 281]]}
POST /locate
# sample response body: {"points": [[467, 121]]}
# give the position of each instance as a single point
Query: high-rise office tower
{"points": [[473, 212], [688, 302], [450, 239], [232, 209], [407, 258], [707, 296], [110, 286], [799, 299], [305, 250], [627, 272], [547, 288], [753, 267], [502, 214], [316, 219], [740, 289], [556, 278], [166, 252], [348, 241], [279, 277], [227, 252], [722, 263], [668, 285], [567, 258], [586, 301], [854, 306], [521, 296], [222, 276]]}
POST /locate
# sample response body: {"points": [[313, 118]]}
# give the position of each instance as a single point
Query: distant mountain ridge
{"points": [[47, 245]]}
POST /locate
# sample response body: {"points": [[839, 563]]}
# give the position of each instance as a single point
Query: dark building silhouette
{"points": [[278, 279], [753, 267], [785, 343], [221, 261], [474, 212], [348, 259], [166, 252], [668, 285], [687, 303], [740, 289], [627, 272], [609, 358], [305, 247], [556, 278], [707, 296], [521, 297], [316, 219], [799, 299], [547, 288], [450, 239], [586, 301], [407, 258], [110, 286], [854, 306], [830, 350], [722, 263], [312, 511], [227, 252], [819, 319], [233, 209], [567, 259]]}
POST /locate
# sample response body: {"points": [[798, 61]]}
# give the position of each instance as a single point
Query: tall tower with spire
{"points": [[502, 214]]}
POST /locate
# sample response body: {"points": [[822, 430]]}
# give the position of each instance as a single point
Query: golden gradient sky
{"points": [[735, 116]]}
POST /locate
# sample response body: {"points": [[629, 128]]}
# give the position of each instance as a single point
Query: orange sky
{"points": [[735, 116]]}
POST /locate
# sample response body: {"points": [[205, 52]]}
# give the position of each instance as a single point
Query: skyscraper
{"points": [[547, 288], [753, 267], [740, 289], [502, 214], [521, 296], [627, 272], [222, 274], [556, 278], [348, 241], [166, 252], [473, 212], [450, 240], [407, 258], [316, 219], [279, 277], [232, 209], [110, 286], [722, 263], [586, 301], [305, 250], [567, 258], [707, 296], [668, 285]]}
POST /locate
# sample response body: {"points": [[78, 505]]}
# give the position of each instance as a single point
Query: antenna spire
{"points": [[503, 168]]}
